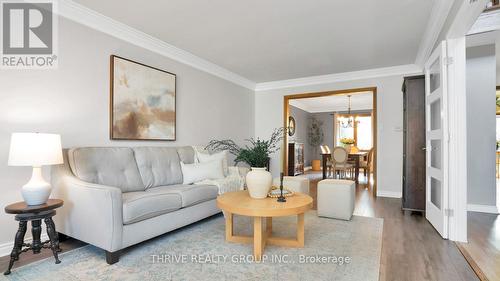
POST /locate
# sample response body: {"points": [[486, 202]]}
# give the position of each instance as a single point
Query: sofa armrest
{"points": [[91, 213]]}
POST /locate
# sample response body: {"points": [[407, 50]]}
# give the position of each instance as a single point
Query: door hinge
{"points": [[448, 60], [448, 212]]}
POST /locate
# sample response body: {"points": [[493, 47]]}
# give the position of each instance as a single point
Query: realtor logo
{"points": [[28, 34]]}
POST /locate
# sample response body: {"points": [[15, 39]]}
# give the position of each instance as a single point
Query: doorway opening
{"points": [[483, 152], [325, 120]]}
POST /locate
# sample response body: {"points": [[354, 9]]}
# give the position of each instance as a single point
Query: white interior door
{"points": [[437, 140]]}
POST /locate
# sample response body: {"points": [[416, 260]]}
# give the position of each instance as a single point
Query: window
{"points": [[364, 132], [344, 133], [361, 131], [498, 129]]}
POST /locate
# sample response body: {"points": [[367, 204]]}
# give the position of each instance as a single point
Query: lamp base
{"points": [[37, 190]]}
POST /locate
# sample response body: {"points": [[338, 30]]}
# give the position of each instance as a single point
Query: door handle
{"points": [[424, 148]]}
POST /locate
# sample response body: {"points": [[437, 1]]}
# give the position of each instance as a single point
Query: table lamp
{"points": [[36, 150]]}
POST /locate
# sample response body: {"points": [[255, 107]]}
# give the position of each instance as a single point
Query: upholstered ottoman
{"points": [[336, 198], [295, 184]]}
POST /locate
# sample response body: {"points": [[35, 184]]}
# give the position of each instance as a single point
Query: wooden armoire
{"points": [[414, 143], [295, 158]]}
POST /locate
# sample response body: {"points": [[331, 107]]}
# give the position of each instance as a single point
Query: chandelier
{"points": [[349, 121]]}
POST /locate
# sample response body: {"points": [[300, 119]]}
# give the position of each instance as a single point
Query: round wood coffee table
{"points": [[240, 203]]}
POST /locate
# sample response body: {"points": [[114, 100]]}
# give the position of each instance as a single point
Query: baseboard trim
{"points": [[389, 194], [6, 248], [490, 209]]}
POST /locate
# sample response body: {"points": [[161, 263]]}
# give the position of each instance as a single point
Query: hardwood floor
{"points": [[483, 249], [411, 248], [28, 257]]}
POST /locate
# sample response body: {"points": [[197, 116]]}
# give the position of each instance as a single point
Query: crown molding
{"points": [[439, 13], [407, 69], [83, 15]]}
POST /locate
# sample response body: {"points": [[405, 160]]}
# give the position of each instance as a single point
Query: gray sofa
{"points": [[115, 197]]}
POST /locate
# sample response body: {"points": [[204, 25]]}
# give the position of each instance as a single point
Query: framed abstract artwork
{"points": [[142, 101]]}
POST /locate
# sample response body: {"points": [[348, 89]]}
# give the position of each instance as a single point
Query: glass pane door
{"points": [[436, 147]]}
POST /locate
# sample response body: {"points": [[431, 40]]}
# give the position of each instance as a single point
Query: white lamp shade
{"points": [[35, 149]]}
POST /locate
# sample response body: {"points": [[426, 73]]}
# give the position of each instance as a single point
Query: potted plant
{"points": [[347, 142], [315, 136], [256, 154]]}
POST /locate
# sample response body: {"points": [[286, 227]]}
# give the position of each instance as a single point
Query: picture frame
{"points": [[142, 101], [291, 126]]}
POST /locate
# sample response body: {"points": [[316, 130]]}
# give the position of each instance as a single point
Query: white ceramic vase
{"points": [[259, 182]]}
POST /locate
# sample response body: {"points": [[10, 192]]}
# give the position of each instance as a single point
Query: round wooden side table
{"points": [[35, 214]]}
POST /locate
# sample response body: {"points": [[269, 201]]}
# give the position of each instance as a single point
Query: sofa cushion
{"points": [[186, 154], [221, 155], [112, 166], [142, 205], [158, 165], [197, 172], [190, 194]]}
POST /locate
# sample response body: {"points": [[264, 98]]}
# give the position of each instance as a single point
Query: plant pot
{"points": [[348, 147], [316, 165], [259, 182]]}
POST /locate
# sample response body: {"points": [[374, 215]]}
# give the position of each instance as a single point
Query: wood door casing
{"points": [[286, 114]]}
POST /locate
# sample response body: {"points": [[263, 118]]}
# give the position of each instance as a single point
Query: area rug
{"points": [[334, 250]]}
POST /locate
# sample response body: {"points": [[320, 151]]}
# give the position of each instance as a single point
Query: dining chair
{"points": [[498, 164], [339, 162], [367, 165]]}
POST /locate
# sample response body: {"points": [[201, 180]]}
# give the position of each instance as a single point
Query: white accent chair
{"points": [[295, 184], [367, 165], [336, 198]]}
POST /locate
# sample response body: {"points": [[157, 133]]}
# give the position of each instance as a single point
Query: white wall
{"points": [[302, 121], [269, 115], [481, 125], [327, 120], [73, 101], [497, 51]]}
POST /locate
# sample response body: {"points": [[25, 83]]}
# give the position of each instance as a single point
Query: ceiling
{"points": [[359, 101], [264, 40]]}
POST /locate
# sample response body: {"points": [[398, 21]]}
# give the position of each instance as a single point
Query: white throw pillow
{"points": [[197, 150], [221, 156], [201, 171]]}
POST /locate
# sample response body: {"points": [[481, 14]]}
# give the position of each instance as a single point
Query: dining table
{"points": [[354, 156]]}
